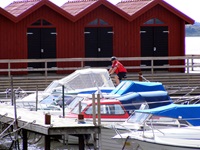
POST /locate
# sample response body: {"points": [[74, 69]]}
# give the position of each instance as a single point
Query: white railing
{"points": [[192, 63]]}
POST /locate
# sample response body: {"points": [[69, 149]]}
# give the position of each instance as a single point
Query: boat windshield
{"points": [[75, 102], [107, 109], [137, 117], [54, 84], [50, 99], [76, 109], [167, 121]]}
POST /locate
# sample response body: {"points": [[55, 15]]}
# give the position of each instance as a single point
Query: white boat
{"points": [[81, 81], [146, 91], [136, 123], [186, 138], [166, 127]]}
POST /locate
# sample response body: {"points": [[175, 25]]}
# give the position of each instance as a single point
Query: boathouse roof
{"points": [[75, 9], [135, 8], [21, 9]]}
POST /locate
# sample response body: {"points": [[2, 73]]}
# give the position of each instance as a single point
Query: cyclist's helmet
{"points": [[113, 58]]}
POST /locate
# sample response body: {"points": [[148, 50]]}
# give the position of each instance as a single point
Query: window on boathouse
{"points": [[154, 21], [98, 22], [41, 22]]}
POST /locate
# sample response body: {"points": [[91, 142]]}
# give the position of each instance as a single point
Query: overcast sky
{"points": [[189, 7]]}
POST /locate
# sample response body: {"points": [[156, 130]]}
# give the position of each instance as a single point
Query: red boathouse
{"points": [[39, 29]]}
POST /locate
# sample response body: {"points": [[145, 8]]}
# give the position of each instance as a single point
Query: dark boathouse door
{"points": [[154, 43], [98, 43], [41, 45]]}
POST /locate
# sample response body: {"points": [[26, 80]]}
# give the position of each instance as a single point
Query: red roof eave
{"points": [[7, 15], [187, 19], [50, 5], [108, 5]]}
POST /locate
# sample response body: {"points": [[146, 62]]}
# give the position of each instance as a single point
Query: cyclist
{"points": [[117, 68]]}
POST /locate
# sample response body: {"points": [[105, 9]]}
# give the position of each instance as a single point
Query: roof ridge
{"points": [[123, 1], [76, 1], [22, 1]]}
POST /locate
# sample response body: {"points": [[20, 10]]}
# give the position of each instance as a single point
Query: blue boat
{"points": [[127, 86], [133, 93], [189, 113], [133, 100]]}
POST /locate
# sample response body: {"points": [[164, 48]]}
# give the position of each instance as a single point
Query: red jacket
{"points": [[120, 67]]}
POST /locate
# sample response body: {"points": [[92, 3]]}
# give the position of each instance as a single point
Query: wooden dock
{"points": [[37, 122]]}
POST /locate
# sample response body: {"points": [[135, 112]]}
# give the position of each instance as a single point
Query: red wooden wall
{"points": [[70, 35]]}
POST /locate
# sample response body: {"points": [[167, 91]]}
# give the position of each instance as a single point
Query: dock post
{"points": [[97, 139], [47, 142], [63, 102], [81, 142], [24, 135], [94, 109], [36, 104], [66, 139], [99, 119], [99, 109], [12, 95]]}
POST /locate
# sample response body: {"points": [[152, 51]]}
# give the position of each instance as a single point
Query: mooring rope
{"points": [[2, 136], [124, 145], [144, 78], [3, 115], [35, 139]]}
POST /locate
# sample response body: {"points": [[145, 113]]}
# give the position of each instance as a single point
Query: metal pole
{"points": [[15, 124], [36, 105], [188, 65], [99, 108], [9, 73], [99, 118], [192, 63], [11, 84], [15, 109], [94, 109], [79, 107], [45, 69], [152, 68], [63, 97]]}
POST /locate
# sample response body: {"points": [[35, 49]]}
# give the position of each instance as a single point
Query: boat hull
{"points": [[163, 139], [144, 145]]}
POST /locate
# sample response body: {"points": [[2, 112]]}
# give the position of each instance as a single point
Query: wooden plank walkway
{"points": [[35, 122]]}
